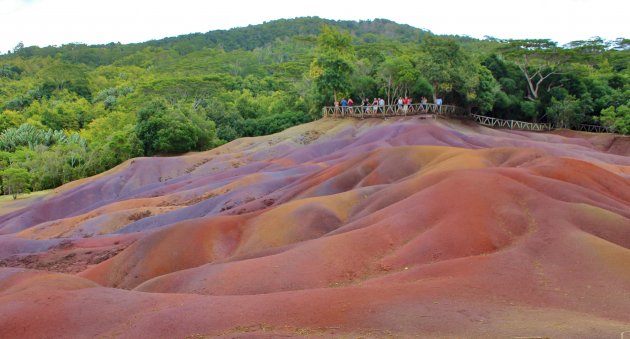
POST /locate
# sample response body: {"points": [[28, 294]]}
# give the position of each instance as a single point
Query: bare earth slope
{"points": [[338, 227]]}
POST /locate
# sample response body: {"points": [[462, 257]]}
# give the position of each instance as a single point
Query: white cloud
{"points": [[55, 22]]}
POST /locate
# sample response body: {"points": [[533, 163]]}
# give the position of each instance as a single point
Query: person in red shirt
{"points": [[405, 105]]}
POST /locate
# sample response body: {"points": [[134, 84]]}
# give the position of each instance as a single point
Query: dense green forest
{"points": [[77, 110]]}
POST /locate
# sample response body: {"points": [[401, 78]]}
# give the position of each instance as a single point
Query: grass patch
{"points": [[26, 196], [8, 205]]}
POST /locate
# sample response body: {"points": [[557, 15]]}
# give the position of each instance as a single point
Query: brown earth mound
{"points": [[396, 228]]}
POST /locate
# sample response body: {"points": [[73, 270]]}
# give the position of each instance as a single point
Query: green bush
{"points": [[163, 130], [617, 118], [15, 181]]}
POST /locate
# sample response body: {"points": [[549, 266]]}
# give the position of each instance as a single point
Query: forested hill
{"points": [[254, 36], [77, 110], [245, 38]]}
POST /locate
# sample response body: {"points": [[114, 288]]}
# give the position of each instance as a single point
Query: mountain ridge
{"points": [[246, 38]]}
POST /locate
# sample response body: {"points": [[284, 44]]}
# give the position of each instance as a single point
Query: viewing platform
{"points": [[393, 111], [445, 111]]}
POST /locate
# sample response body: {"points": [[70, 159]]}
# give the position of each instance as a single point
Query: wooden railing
{"points": [[511, 124], [444, 111], [392, 111], [595, 129]]}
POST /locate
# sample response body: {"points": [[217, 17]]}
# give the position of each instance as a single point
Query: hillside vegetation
{"points": [[77, 110]]}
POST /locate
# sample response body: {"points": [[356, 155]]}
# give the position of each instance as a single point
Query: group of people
{"points": [[401, 105]]}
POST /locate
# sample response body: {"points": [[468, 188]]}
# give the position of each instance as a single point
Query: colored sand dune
{"points": [[368, 228]]}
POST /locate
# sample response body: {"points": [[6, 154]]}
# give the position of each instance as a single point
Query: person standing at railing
{"points": [[375, 106], [344, 104], [405, 103], [336, 111], [366, 105], [399, 104], [381, 104], [438, 103], [350, 104], [423, 104]]}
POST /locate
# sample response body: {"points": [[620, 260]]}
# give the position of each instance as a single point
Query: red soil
{"points": [[335, 228]]}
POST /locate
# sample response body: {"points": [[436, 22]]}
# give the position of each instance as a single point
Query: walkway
{"points": [[392, 111], [511, 124], [447, 111]]}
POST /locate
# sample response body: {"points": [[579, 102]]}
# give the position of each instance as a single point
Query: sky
{"points": [[57, 22]]}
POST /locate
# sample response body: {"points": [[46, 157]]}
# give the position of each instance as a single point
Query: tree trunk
{"points": [[435, 89], [533, 88], [389, 90]]}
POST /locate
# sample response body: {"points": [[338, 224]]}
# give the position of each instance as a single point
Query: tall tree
{"points": [[565, 113], [442, 62], [538, 60], [482, 90], [332, 67], [397, 75]]}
